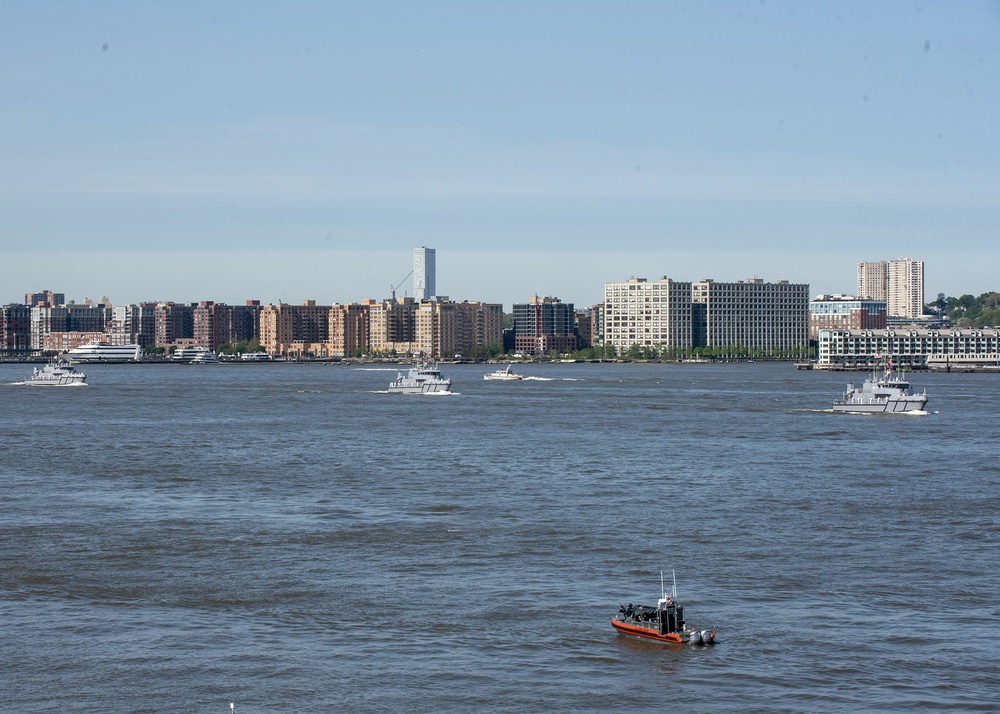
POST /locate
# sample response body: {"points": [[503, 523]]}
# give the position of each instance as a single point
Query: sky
{"points": [[229, 151]]}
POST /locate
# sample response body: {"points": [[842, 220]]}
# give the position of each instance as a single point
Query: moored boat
{"points": [[503, 375], [885, 393], [424, 378], [195, 355], [101, 352], [55, 374], [663, 623]]}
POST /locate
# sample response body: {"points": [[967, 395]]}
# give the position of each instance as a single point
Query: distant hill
{"points": [[969, 311]]}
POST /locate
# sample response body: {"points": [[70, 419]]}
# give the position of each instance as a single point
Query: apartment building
{"points": [[967, 347], [667, 314], [435, 333], [349, 328], [393, 325], [751, 314], [898, 283], [906, 288], [71, 317], [45, 297], [584, 329], [133, 325], [873, 280], [596, 325], [295, 329], [444, 328], [172, 322], [845, 312], [15, 327], [479, 325], [647, 313], [244, 321], [45, 319], [544, 325], [211, 324]]}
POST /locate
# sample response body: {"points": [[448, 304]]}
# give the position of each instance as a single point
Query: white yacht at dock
{"points": [[194, 355], [103, 352]]}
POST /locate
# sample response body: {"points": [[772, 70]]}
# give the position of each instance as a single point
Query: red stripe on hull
{"points": [[646, 633]]}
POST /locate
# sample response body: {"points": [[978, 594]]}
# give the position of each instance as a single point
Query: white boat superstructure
{"points": [[255, 357], [101, 352], [884, 393], [503, 375], [422, 379], [195, 355], [56, 374]]}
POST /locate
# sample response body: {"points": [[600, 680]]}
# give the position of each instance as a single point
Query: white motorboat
{"points": [[503, 375]]}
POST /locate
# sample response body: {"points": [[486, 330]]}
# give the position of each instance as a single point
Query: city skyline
{"points": [[233, 151], [405, 288]]}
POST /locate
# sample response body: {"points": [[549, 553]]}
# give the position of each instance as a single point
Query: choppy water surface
{"points": [[285, 537]]}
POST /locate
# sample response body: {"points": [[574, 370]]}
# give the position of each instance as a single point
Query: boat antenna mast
{"points": [[673, 594]]}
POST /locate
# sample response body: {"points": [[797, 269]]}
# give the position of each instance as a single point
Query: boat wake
{"points": [[538, 379]]}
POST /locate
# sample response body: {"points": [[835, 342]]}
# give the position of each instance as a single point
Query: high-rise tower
{"points": [[424, 273], [900, 283]]}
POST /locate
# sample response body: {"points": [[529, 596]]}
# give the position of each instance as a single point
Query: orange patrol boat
{"points": [[663, 623]]}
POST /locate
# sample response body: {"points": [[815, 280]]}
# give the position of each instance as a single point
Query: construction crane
{"points": [[393, 289]]}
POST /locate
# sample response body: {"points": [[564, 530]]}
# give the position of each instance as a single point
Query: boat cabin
{"points": [[667, 618]]}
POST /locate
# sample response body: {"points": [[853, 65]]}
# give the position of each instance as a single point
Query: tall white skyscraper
{"points": [[424, 273], [899, 282], [906, 288]]}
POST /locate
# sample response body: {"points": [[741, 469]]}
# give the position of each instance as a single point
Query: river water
{"points": [[285, 537]]}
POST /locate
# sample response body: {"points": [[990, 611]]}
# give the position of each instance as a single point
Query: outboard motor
{"points": [[694, 638], [707, 638]]}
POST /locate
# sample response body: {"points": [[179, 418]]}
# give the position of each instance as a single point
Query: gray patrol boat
{"points": [[885, 393], [425, 378]]}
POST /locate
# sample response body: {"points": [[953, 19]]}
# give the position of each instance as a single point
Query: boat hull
{"points": [[645, 633], [53, 383], [891, 406], [423, 389], [108, 354]]}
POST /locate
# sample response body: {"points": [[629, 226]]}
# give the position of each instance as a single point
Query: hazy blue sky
{"points": [[293, 150]]}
